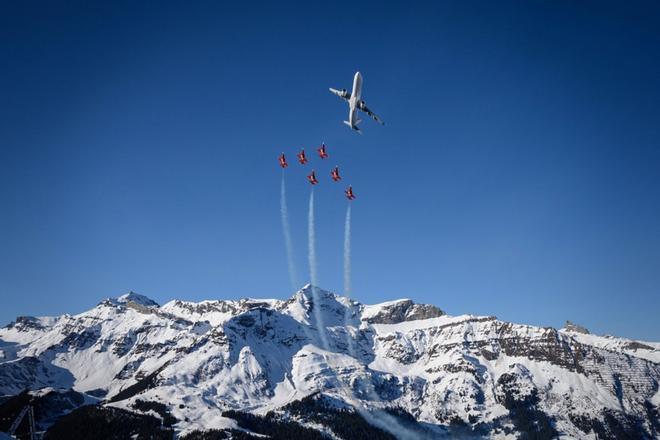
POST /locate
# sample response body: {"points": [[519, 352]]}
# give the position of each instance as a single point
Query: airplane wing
{"points": [[371, 114], [343, 94]]}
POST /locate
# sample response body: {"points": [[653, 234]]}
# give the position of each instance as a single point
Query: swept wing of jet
{"points": [[363, 106], [343, 93]]}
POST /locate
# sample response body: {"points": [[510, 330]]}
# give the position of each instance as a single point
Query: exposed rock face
{"points": [[395, 363], [571, 327], [634, 345], [404, 310], [24, 323]]}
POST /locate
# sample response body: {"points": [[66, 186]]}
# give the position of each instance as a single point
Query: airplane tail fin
{"points": [[357, 122], [353, 127]]}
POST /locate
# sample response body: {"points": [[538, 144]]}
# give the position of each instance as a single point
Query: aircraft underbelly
{"points": [[352, 117], [357, 86]]}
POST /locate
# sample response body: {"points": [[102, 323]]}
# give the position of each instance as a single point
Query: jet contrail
{"points": [[286, 229], [375, 416], [347, 277], [347, 252], [311, 241], [387, 422]]}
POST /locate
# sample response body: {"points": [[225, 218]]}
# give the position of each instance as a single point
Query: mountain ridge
{"points": [[467, 373]]}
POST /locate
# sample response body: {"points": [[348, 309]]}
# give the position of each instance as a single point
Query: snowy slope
{"points": [[474, 372], [642, 349]]}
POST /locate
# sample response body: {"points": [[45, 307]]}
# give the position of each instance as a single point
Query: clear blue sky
{"points": [[518, 173]]}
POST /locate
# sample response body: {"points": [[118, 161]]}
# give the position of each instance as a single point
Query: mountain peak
{"points": [[135, 298], [393, 312], [572, 327], [308, 291]]}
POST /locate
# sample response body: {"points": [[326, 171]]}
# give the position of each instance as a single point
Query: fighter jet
{"points": [[322, 152], [349, 193], [283, 162], [312, 178], [355, 103], [301, 157], [335, 174]]}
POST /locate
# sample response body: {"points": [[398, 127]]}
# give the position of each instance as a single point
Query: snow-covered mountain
{"points": [[408, 370]]}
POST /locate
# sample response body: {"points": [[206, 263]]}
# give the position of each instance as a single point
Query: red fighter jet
{"points": [[322, 152], [349, 193], [335, 174], [282, 160], [301, 157], [312, 178]]}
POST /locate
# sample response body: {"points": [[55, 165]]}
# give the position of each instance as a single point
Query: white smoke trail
{"points": [[311, 242], [288, 242], [347, 278], [373, 415], [347, 252], [387, 422], [286, 229]]}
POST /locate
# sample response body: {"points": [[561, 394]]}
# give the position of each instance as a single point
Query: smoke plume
{"points": [[311, 241], [347, 252], [288, 242], [347, 278]]}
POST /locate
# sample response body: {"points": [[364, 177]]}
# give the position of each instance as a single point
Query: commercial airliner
{"points": [[355, 103]]}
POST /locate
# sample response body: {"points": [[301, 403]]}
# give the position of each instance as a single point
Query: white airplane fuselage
{"points": [[353, 101]]}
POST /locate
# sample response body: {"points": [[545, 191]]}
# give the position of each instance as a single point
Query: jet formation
{"points": [[355, 104], [311, 178]]}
